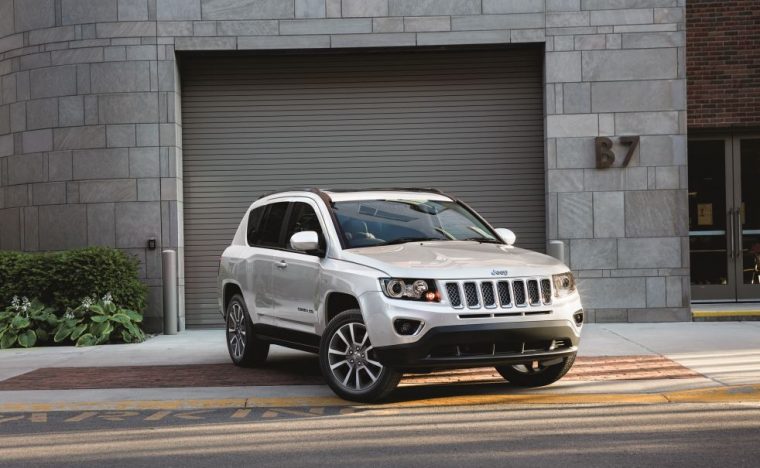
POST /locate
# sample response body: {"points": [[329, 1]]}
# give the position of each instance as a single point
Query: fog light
{"points": [[406, 327], [578, 317]]}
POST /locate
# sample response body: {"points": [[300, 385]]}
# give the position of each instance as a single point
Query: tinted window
{"points": [[270, 227], [303, 218], [254, 221], [384, 222]]}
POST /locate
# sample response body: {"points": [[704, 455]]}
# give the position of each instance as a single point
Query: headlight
{"points": [[564, 284], [411, 289]]}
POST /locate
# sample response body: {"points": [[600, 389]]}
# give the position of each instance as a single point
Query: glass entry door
{"points": [[724, 218]]}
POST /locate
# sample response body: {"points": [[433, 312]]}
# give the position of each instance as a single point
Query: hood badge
{"points": [[499, 273]]}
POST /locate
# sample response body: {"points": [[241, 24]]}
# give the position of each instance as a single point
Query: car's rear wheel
{"points": [[245, 349], [349, 363], [537, 373]]}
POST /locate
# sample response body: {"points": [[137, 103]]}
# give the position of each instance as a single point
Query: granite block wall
{"points": [[91, 141]]}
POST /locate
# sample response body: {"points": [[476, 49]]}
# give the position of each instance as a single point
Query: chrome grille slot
{"points": [[533, 292], [519, 292], [489, 299], [546, 290], [471, 295], [455, 298], [505, 298]]}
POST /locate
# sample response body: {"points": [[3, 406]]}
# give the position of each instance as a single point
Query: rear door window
{"points": [[269, 231]]}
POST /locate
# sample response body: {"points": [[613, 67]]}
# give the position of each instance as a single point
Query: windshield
{"points": [[368, 223]]}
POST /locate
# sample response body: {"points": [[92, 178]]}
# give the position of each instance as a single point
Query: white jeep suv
{"points": [[383, 282]]}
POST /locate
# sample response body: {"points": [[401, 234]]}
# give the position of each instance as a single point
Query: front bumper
{"points": [[493, 344]]}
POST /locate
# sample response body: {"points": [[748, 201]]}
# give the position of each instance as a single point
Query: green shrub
{"points": [[62, 279], [26, 323], [99, 322]]}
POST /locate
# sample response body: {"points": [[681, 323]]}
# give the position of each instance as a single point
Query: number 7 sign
{"points": [[605, 157]]}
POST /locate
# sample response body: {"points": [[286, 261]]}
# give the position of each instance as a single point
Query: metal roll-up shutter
{"points": [[467, 122]]}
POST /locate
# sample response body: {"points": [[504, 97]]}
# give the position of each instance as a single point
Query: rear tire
{"points": [[245, 349], [348, 361], [533, 374]]}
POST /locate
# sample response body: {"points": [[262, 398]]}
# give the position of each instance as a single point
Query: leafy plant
{"points": [[62, 279], [97, 322], [26, 323]]}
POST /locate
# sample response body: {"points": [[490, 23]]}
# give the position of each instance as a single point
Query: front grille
{"points": [[499, 294], [471, 295], [533, 292], [454, 297]]}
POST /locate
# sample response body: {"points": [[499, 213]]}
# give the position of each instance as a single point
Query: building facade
{"points": [[123, 121]]}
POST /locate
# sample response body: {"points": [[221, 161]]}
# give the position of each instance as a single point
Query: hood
{"points": [[454, 260]]}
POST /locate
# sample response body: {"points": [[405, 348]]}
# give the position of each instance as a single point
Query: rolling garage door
{"points": [[467, 122]]}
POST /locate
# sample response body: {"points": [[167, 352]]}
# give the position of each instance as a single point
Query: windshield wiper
{"points": [[404, 240], [483, 240]]}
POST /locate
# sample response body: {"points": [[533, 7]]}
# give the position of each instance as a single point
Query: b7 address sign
{"points": [[605, 157]]}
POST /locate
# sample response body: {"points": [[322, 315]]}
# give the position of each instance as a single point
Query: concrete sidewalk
{"points": [[720, 356]]}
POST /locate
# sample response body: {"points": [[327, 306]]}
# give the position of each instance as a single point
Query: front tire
{"points": [[535, 374], [245, 349], [349, 364]]}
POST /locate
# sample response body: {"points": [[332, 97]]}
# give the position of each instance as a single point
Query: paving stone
{"points": [[101, 225], [89, 136], [575, 215], [283, 42], [248, 9], [136, 222], [60, 165], [178, 9], [101, 164], [133, 10], [610, 65], [609, 214], [114, 77], [53, 81], [649, 252], [106, 191], [128, 108], [42, 113], [485, 22], [37, 140], [71, 111], [62, 227], [34, 14], [632, 96], [53, 193], [26, 168]]}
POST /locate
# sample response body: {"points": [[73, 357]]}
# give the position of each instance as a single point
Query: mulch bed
{"points": [[305, 371]]}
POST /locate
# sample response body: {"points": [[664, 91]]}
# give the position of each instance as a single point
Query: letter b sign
{"points": [[605, 157]]}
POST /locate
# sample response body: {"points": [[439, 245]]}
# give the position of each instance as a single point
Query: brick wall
{"points": [[723, 63]]}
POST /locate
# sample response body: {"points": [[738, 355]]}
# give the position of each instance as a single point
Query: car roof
{"points": [[340, 195]]}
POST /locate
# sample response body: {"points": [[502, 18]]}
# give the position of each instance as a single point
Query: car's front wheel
{"points": [[537, 373], [245, 349], [349, 363]]}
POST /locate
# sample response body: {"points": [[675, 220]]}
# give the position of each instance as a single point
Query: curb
{"points": [[732, 394]]}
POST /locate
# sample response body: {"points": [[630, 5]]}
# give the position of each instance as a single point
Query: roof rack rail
{"points": [[389, 189], [293, 189]]}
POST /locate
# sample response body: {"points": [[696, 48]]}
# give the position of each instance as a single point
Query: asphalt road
{"points": [[427, 436]]}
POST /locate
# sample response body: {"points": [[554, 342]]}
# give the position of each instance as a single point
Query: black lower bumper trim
{"points": [[480, 345]]}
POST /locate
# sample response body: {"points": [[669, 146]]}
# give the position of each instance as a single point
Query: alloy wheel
{"points": [[351, 358], [236, 332]]}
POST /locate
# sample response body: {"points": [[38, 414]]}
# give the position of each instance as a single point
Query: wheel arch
{"points": [[230, 289], [337, 302]]}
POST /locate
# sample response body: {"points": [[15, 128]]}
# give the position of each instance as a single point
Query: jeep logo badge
{"points": [[499, 273]]}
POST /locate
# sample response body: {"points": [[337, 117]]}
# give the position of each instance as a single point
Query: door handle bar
{"points": [[281, 264], [730, 227], [738, 233]]}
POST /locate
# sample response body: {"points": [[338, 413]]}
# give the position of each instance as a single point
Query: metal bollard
{"points": [[557, 250], [169, 264]]}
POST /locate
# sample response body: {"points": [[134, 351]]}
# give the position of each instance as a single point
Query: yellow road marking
{"points": [[241, 413], [158, 415], [81, 417], [316, 405], [725, 313]]}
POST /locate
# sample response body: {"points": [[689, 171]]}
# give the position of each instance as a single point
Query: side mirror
{"points": [[305, 241], [506, 235]]}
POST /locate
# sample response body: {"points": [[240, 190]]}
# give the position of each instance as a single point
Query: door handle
{"points": [[282, 264], [738, 233], [730, 232]]}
